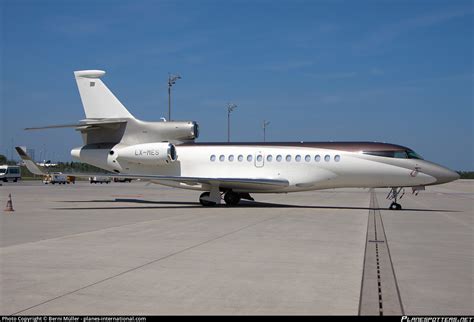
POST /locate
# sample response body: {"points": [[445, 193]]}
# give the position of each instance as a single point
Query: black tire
{"points": [[15, 180], [395, 206], [206, 203], [231, 198]]}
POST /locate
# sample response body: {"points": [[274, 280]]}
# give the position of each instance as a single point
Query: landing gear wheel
{"points": [[395, 206], [206, 203], [231, 198]]}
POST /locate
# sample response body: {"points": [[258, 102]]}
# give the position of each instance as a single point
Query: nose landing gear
{"points": [[395, 206], [394, 194]]}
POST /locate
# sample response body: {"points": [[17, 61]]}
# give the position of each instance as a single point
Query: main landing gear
{"points": [[231, 198], [204, 202], [395, 194]]}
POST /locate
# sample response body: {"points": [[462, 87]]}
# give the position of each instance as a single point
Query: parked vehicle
{"points": [[71, 179], [122, 180], [55, 177], [99, 180], [10, 172]]}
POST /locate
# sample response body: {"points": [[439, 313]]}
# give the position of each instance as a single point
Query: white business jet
{"points": [[166, 153]]}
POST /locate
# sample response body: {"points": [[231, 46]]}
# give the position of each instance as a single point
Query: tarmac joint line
{"points": [[380, 294]]}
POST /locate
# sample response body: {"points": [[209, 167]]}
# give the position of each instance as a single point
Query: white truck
{"points": [[10, 172], [55, 177], [100, 179]]}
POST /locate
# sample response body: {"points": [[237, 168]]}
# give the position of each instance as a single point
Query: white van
{"points": [[10, 172], [55, 177]]}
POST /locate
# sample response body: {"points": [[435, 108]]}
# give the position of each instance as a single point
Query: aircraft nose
{"points": [[444, 175]]}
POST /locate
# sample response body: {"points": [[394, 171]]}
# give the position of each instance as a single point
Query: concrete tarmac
{"points": [[133, 248]]}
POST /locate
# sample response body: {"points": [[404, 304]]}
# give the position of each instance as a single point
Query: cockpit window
{"points": [[387, 154], [413, 155], [406, 154]]}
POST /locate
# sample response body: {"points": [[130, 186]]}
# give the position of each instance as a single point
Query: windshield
{"points": [[3, 170], [413, 155], [401, 154]]}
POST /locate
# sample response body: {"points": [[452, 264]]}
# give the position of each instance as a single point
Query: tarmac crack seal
{"points": [[379, 294]]}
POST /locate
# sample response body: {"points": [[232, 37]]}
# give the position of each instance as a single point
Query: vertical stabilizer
{"points": [[97, 99]]}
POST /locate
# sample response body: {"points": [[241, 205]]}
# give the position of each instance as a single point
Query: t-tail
{"points": [[110, 132], [98, 101]]}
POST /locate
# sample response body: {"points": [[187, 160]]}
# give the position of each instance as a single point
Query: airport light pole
{"points": [[171, 81], [265, 124], [230, 108]]}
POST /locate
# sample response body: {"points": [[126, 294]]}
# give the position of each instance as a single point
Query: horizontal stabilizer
{"points": [[82, 124]]}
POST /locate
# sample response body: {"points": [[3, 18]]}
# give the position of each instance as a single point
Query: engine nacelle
{"points": [[148, 153]]}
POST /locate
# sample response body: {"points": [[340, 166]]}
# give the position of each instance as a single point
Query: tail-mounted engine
{"points": [[148, 153], [117, 157]]}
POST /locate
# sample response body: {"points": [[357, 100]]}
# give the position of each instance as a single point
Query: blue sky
{"points": [[390, 71]]}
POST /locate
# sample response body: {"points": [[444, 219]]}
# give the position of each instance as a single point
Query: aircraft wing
{"points": [[241, 183], [84, 124]]}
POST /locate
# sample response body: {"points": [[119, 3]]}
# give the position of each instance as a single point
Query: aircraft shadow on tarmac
{"points": [[191, 205]]}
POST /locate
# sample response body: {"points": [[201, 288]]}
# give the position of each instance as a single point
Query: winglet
{"points": [[30, 164]]}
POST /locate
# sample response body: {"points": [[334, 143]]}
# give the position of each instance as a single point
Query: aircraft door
{"points": [[259, 159]]}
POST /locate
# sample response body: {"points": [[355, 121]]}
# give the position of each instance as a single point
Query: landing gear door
{"points": [[259, 159]]}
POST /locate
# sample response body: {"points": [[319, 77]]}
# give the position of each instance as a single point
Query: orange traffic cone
{"points": [[9, 206]]}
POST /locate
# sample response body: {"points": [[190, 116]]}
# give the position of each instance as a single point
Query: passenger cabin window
{"points": [[259, 158], [288, 158], [221, 157], [337, 158], [307, 158], [213, 158], [240, 158], [249, 158], [327, 158], [231, 157], [279, 158], [269, 158], [317, 158], [298, 158]]}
